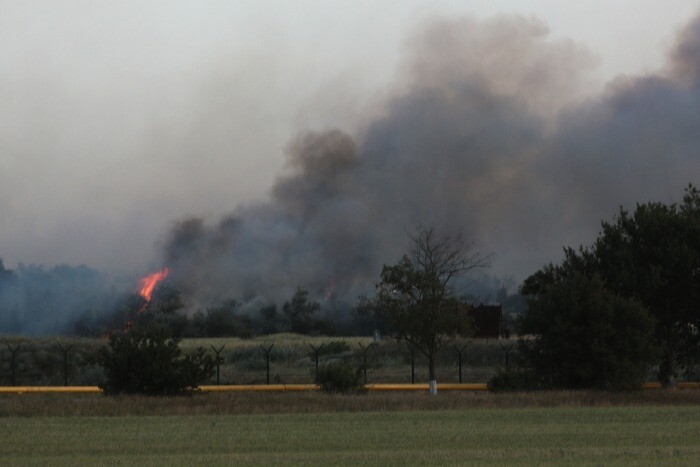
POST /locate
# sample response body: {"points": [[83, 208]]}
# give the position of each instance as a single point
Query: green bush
{"points": [[585, 336], [340, 377], [149, 361]]}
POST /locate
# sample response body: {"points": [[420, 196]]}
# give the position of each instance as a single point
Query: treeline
{"points": [[78, 300], [300, 314], [611, 311]]}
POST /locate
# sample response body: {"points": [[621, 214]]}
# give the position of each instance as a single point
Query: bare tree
{"points": [[418, 293]]}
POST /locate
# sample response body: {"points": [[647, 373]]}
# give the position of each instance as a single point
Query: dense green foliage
{"points": [[147, 360], [650, 256], [585, 336], [339, 376]]}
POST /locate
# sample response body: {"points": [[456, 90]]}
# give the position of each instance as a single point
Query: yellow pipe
{"points": [[292, 388], [259, 388], [45, 389], [424, 387]]}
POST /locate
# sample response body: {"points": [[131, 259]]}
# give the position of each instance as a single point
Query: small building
{"points": [[488, 321]]}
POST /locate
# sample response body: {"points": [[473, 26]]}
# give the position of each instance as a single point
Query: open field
{"points": [[573, 435]]}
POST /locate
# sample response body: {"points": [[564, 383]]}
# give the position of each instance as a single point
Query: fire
{"points": [[148, 283]]}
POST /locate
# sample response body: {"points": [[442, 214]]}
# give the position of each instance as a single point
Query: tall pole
{"points": [[65, 351], [459, 359], [13, 351], [218, 360], [267, 351], [413, 366], [316, 350]]}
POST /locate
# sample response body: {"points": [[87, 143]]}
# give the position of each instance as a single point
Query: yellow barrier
{"points": [[424, 387], [259, 388], [291, 388], [45, 389]]}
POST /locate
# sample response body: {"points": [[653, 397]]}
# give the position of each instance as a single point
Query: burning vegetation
{"points": [[149, 283]]}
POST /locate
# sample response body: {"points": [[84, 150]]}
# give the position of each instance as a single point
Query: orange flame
{"points": [[148, 283]]}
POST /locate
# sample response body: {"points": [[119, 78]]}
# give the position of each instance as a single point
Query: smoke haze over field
{"points": [[484, 134], [492, 127]]}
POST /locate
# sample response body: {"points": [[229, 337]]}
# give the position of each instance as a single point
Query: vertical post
{"points": [[459, 359], [506, 351], [218, 360], [364, 359], [267, 351], [413, 365], [317, 350], [13, 363], [65, 351]]}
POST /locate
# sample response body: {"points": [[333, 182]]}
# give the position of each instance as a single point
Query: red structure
{"points": [[488, 321]]}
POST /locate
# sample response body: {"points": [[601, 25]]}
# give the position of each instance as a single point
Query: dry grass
{"points": [[61, 405]]}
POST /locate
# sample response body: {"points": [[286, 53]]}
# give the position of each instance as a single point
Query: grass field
{"points": [[557, 427], [569, 435]]}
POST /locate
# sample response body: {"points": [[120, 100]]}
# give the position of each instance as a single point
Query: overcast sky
{"points": [[118, 119]]}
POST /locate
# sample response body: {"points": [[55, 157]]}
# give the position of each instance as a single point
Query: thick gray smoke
{"points": [[486, 133]]}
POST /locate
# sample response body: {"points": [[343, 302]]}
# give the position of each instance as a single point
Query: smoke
{"points": [[35, 300], [489, 129], [488, 133]]}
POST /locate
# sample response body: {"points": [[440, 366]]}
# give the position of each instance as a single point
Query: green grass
{"points": [[561, 435]]}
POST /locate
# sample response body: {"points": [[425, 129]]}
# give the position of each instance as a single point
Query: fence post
{"points": [[13, 363], [506, 351], [413, 365], [65, 351], [459, 359], [364, 359], [316, 352], [267, 351], [218, 360]]}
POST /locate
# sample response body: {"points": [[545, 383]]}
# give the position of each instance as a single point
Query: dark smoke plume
{"points": [[488, 133]]}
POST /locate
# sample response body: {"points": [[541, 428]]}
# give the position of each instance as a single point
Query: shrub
{"points": [[340, 377], [149, 361], [587, 337]]}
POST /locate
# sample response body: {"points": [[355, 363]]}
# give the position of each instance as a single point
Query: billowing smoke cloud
{"points": [[488, 133]]}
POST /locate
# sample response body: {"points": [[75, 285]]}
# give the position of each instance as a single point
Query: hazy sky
{"points": [[117, 119]]}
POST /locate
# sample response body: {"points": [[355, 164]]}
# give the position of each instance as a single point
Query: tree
{"points": [[300, 311], [269, 321], [418, 293], [654, 255], [585, 336], [651, 255], [146, 360]]}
